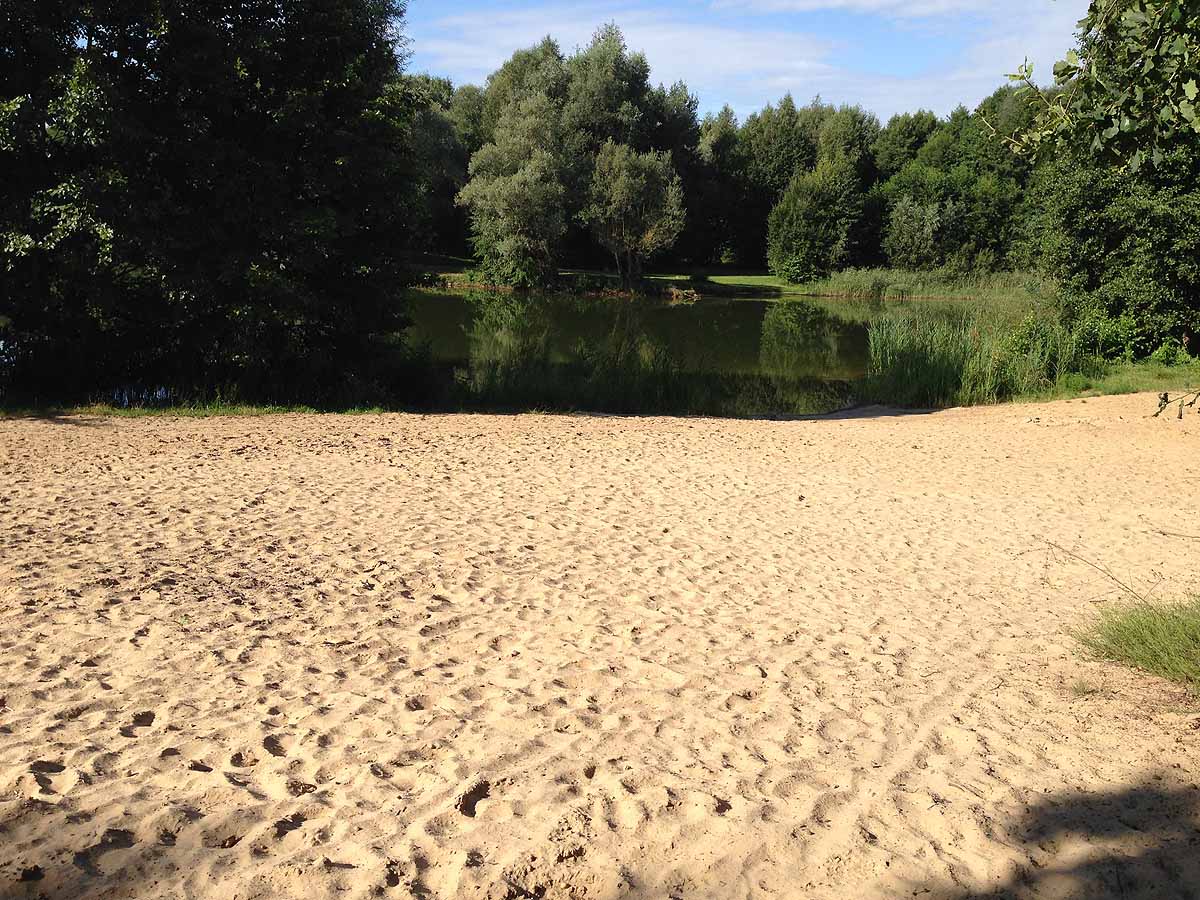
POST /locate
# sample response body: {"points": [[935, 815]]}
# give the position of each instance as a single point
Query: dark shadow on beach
{"points": [[1128, 843]]}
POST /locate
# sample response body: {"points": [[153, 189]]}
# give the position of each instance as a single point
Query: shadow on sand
{"points": [[1129, 843]]}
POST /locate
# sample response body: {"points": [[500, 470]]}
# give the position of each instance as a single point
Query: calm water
{"points": [[719, 356]]}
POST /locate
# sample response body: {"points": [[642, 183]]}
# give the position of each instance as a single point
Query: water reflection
{"points": [[739, 357]]}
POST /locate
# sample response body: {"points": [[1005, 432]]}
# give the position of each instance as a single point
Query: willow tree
{"points": [[636, 206]]}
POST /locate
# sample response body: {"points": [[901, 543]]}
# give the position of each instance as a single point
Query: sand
{"points": [[592, 657]]}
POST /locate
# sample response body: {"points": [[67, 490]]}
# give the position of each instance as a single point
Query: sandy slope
{"points": [[507, 657]]}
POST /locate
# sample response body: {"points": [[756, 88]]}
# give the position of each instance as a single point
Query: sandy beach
{"points": [[593, 657]]}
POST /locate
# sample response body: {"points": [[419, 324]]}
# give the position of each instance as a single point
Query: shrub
{"points": [[1125, 244], [912, 231], [1169, 354]]}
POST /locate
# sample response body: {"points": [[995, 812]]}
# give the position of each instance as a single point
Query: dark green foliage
{"points": [[957, 201], [715, 193], [440, 167], [466, 113], [775, 144], [1125, 245], [851, 132], [898, 143], [812, 231], [199, 195]]}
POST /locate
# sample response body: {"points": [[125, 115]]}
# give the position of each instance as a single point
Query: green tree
{"points": [[1124, 245], [516, 195], [608, 92], [911, 239], [207, 194], [440, 168], [537, 70], [898, 143], [812, 230], [852, 132], [527, 209], [466, 113], [716, 195], [636, 206], [776, 143]]}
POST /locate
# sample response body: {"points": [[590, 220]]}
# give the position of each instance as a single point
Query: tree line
{"points": [[201, 194]]}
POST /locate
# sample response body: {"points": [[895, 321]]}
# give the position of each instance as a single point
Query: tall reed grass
{"points": [[922, 357]]}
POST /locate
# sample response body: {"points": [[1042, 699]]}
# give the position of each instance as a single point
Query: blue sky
{"points": [[889, 55]]}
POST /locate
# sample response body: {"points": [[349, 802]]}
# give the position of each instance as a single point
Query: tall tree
{"points": [[813, 229], [215, 195], [598, 95], [898, 143], [517, 195], [636, 206]]}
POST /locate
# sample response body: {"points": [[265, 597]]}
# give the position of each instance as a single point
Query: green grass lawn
{"points": [[1126, 378]]}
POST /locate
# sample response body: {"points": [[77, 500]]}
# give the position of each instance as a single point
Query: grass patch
{"points": [[1163, 639], [1022, 289], [196, 411], [1081, 688], [1123, 378]]}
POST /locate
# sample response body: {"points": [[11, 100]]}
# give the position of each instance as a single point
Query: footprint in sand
{"points": [[52, 777], [274, 745], [290, 824], [243, 759], [141, 720], [468, 802], [112, 839]]}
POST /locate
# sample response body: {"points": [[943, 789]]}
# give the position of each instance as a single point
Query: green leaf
{"points": [[1190, 90]]}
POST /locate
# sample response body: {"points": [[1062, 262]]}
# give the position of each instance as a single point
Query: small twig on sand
{"points": [[1103, 570], [1176, 534], [1165, 400]]}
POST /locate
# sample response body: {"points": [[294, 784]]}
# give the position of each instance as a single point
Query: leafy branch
{"points": [[1129, 90]]}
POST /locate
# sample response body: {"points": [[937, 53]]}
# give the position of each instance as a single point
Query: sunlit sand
{"points": [[591, 657]]}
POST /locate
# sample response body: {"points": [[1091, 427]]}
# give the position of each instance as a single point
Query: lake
{"points": [[716, 356]]}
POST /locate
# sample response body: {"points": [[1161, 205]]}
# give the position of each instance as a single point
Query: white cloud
{"points": [[695, 52], [731, 60], [907, 9]]}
